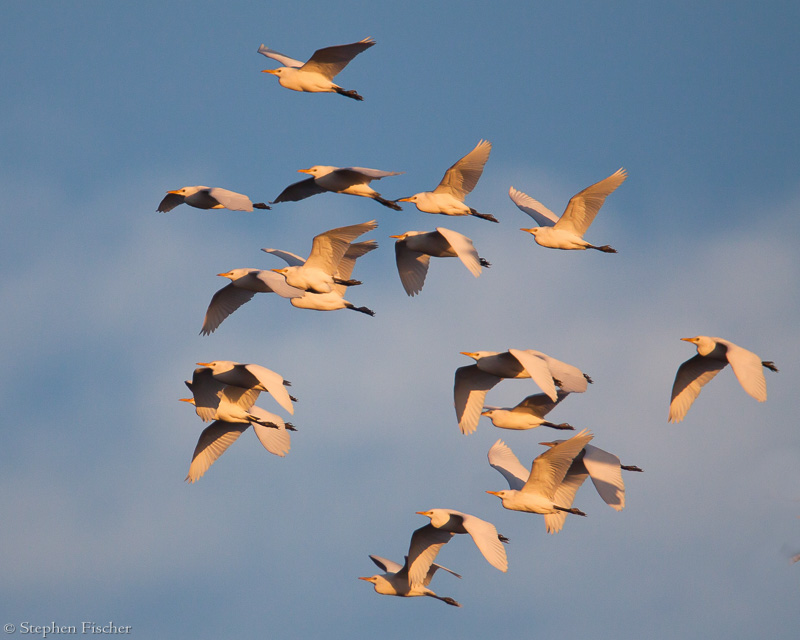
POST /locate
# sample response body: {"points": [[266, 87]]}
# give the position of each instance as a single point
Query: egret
{"points": [[201, 197], [316, 75], [458, 181], [483, 534], [350, 180], [712, 356], [543, 489], [413, 251], [245, 283], [252, 376], [567, 231], [317, 273], [528, 414], [474, 381]]}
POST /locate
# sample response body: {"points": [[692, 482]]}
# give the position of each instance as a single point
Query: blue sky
{"points": [[109, 105]]}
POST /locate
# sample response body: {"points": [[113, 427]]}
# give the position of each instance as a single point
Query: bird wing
{"points": [[277, 439], [583, 206], [223, 303], [748, 369], [412, 267], [357, 175], [549, 469], [462, 177], [540, 404], [503, 459], [348, 262], [469, 392], [277, 284], [538, 369], [535, 209], [231, 200], [286, 61], [244, 398], [464, 249], [292, 259], [389, 566], [206, 391], [433, 570], [331, 60], [604, 469], [692, 375], [213, 442], [299, 191], [170, 201], [328, 248], [570, 378], [425, 544], [565, 494], [252, 376], [484, 535]]}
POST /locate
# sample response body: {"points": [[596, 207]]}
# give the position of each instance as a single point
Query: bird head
{"points": [[187, 191], [275, 72], [500, 494], [409, 199], [704, 344]]}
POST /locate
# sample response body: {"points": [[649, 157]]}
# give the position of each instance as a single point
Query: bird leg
{"points": [[369, 312], [260, 205], [605, 248], [387, 203], [770, 365], [347, 283], [289, 426], [349, 94], [292, 398], [483, 216], [484, 262], [447, 600], [502, 538], [286, 383], [588, 379], [574, 511], [562, 425], [630, 467]]}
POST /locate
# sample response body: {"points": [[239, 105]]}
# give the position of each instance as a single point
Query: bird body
{"points": [[542, 490], [353, 181], [316, 75], [251, 376], [712, 356], [414, 249], [245, 283], [567, 231], [201, 197], [459, 180], [528, 414]]}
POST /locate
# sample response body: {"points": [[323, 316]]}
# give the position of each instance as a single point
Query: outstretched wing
{"points": [[223, 303], [535, 209], [748, 369], [462, 177], [605, 471], [286, 61], [412, 267], [331, 60], [230, 199], [469, 391], [213, 442], [464, 249], [299, 191], [692, 376], [170, 201], [504, 460], [583, 206], [425, 544]]}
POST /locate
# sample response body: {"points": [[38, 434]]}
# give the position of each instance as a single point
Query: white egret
{"points": [[458, 181], [353, 181], [474, 381], [334, 299], [528, 414], [398, 581], [544, 489], [483, 534], [567, 231], [316, 75], [604, 470], [712, 356], [317, 274], [245, 283], [413, 251], [252, 376], [201, 197]]}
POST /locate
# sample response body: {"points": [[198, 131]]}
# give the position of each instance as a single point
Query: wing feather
{"points": [[690, 379], [535, 209], [469, 392], [464, 249], [331, 60], [583, 206], [503, 459], [462, 177], [213, 442]]}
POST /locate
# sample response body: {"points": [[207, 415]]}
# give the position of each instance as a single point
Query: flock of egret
{"points": [[225, 392]]}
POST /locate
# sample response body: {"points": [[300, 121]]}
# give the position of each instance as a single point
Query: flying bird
{"points": [[542, 490], [252, 376], [604, 470], [567, 231], [334, 299], [458, 181], [201, 197], [474, 381], [414, 249], [712, 356], [350, 180], [528, 414], [397, 579], [483, 534], [317, 274], [316, 75], [245, 283]]}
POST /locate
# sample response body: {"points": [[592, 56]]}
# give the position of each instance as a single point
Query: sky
{"points": [[109, 105]]}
